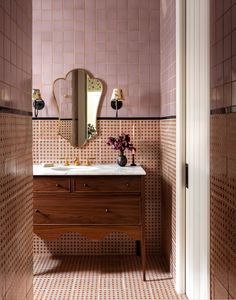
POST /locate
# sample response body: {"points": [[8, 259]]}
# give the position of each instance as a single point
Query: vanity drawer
{"points": [[87, 210], [105, 184], [57, 184]]}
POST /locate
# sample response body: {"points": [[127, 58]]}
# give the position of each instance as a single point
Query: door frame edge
{"points": [[180, 144]]}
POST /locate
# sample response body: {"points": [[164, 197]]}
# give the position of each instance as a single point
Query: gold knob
{"points": [[57, 185], [85, 185], [36, 210], [108, 210], [127, 184]]}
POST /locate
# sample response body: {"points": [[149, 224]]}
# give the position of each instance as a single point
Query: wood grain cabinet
{"points": [[93, 206]]}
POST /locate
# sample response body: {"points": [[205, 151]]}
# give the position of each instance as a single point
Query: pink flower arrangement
{"points": [[121, 143]]}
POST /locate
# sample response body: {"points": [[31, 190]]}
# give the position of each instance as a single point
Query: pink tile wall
{"points": [[167, 58], [16, 257], [15, 54], [168, 192], [222, 149], [223, 54], [116, 40], [168, 131]]}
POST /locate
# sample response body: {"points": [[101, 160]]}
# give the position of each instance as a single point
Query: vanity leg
{"points": [[143, 246], [143, 256], [143, 253], [138, 248]]}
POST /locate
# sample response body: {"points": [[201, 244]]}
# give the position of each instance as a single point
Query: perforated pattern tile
{"points": [[49, 147], [15, 206], [223, 208], [101, 278], [168, 190]]}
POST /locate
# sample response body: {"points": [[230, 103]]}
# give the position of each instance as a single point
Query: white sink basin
{"points": [[61, 168], [74, 168]]}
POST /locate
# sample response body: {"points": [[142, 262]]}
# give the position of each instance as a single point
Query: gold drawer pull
{"points": [[127, 184], [58, 185], [85, 185], [108, 211], [36, 211]]}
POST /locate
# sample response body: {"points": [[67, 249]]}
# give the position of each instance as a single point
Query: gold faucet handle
{"points": [[88, 161], [67, 163], [76, 162]]}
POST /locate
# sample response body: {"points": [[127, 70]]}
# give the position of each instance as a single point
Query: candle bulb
{"points": [[133, 154]]}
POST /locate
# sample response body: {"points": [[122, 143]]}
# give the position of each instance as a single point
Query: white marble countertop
{"points": [[99, 169]]}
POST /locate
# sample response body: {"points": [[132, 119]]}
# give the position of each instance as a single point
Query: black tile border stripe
{"points": [[137, 118], [8, 110], [110, 118], [223, 110], [46, 118]]}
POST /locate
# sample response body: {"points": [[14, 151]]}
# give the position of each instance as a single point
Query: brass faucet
{"points": [[76, 162], [67, 163], [88, 161]]}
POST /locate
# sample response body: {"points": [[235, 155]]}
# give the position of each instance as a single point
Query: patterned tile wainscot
{"points": [[48, 147], [16, 206], [168, 191]]}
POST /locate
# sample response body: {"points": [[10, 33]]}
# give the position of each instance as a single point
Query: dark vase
{"points": [[122, 160]]}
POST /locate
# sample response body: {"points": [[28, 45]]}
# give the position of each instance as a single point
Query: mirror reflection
{"points": [[78, 96]]}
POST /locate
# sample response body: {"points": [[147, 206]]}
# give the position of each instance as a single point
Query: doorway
{"points": [[193, 93]]}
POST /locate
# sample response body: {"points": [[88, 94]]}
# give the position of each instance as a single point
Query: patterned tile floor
{"points": [[100, 278]]}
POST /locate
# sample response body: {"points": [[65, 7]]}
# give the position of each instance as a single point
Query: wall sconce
{"points": [[38, 102], [116, 103]]}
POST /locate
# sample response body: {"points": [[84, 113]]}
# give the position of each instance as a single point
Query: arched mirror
{"points": [[78, 96]]}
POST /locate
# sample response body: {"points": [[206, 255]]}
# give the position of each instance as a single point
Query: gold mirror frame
{"points": [[75, 98]]}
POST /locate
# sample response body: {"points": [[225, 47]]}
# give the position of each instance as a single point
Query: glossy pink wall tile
{"points": [[15, 54], [223, 53], [114, 40], [167, 58]]}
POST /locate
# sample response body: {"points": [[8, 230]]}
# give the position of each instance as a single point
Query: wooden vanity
{"points": [[92, 205]]}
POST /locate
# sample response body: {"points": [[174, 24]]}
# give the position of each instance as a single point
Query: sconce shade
{"points": [[36, 95], [117, 94]]}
